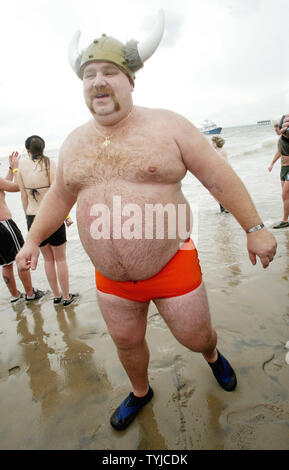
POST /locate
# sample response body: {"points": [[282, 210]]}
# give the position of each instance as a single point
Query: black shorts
{"points": [[56, 239], [11, 241], [284, 173]]}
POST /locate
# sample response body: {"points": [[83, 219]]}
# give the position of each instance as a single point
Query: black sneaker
{"points": [[71, 299], [37, 294], [129, 409], [57, 300], [282, 224], [224, 373], [15, 299]]}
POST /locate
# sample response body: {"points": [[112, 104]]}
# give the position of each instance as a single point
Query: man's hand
{"points": [[270, 168], [263, 244], [27, 258]]}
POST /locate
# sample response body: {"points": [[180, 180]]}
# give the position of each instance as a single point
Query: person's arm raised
{"points": [[7, 183]]}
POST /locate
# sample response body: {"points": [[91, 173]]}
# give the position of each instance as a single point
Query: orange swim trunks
{"points": [[182, 274]]}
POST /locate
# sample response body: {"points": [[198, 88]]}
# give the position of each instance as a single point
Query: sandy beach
{"points": [[60, 378]]}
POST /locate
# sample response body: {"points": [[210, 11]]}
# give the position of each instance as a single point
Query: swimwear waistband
{"points": [[182, 274]]}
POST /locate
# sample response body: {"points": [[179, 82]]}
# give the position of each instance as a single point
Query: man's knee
{"points": [[201, 340], [125, 340]]}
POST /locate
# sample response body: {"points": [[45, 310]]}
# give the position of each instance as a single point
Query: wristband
{"points": [[256, 228], [15, 170], [68, 217]]}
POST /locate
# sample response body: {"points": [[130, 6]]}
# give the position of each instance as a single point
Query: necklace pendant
{"points": [[106, 142]]}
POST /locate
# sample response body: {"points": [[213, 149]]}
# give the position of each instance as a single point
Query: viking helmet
{"points": [[129, 57]]}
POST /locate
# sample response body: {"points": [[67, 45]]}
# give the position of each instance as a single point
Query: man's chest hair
{"points": [[139, 162]]}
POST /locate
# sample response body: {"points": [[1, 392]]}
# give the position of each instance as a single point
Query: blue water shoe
{"points": [[224, 373], [129, 409]]}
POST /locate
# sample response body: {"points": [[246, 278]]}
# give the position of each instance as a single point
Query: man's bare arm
{"points": [[225, 185], [9, 186], [218, 177]]}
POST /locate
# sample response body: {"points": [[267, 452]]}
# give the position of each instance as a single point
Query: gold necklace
{"points": [[107, 138]]}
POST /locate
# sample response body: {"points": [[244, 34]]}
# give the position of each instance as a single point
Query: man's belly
{"points": [[130, 232]]}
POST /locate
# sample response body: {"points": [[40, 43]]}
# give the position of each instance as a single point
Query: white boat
{"points": [[264, 123], [210, 127]]}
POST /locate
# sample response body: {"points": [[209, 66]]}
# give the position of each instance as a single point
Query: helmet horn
{"points": [[148, 47], [74, 55]]}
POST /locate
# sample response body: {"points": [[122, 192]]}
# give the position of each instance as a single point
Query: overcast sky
{"points": [[226, 60]]}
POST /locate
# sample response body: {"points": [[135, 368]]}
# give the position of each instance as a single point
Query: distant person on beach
{"points": [[283, 153], [124, 169], [35, 177], [11, 240], [218, 143]]}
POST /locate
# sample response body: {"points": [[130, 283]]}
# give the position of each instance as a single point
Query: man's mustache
{"points": [[101, 91]]}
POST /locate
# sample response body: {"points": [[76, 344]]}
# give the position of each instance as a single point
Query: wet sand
{"points": [[60, 378]]}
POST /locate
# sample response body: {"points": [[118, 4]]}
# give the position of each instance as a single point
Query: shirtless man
{"points": [[127, 159], [11, 240], [283, 153]]}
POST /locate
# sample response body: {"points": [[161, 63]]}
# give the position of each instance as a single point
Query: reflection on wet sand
{"points": [[65, 394], [44, 381], [63, 377]]}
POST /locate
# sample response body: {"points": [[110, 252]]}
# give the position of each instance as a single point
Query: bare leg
{"points": [[50, 270], [285, 198], [25, 278], [188, 318], [59, 253], [126, 321], [9, 279]]}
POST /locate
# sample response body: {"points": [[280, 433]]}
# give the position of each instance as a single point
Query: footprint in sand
{"points": [[89, 335], [258, 414], [274, 364]]}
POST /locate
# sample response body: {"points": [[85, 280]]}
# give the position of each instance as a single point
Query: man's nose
{"points": [[99, 80]]}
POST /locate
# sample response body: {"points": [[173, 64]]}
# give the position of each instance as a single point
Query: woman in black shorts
{"points": [[35, 176]]}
